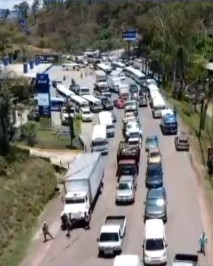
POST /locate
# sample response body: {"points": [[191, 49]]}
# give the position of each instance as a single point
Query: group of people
{"points": [[69, 222]]}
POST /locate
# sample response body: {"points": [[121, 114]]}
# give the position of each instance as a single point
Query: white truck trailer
{"points": [[83, 183], [110, 241]]}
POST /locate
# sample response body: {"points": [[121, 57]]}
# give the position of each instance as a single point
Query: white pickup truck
{"points": [[112, 233]]}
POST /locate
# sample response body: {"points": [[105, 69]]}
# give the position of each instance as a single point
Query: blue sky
{"points": [[10, 3]]}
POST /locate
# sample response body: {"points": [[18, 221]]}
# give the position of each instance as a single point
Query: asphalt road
{"points": [[184, 214]]}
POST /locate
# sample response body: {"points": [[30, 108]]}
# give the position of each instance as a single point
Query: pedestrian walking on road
{"points": [[81, 75], [203, 242], [69, 225], [46, 232], [175, 111], [87, 220]]}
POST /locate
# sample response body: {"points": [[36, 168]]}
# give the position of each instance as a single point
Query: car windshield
{"points": [[109, 237], [183, 141], [154, 244], [124, 186], [127, 169], [86, 112], [152, 142], [154, 171], [99, 143], [154, 154], [154, 178]]}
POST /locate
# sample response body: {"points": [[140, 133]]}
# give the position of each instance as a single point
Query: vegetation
{"points": [[26, 185]]}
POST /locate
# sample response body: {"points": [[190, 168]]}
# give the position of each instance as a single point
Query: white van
{"points": [[154, 95], [86, 115], [114, 83], [154, 244], [105, 118], [158, 106], [84, 91], [99, 141], [127, 260]]}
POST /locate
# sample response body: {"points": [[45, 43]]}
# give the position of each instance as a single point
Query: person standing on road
{"points": [[69, 225], [203, 242], [45, 230], [175, 110], [87, 217]]}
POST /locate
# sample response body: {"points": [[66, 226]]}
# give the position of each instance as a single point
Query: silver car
{"points": [[126, 189]]}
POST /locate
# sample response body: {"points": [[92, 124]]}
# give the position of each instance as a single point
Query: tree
{"points": [[22, 9], [35, 8], [5, 119], [6, 15]]}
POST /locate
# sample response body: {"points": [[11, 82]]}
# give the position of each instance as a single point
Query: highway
{"points": [[184, 213]]}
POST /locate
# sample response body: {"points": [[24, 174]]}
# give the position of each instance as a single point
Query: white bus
{"points": [[63, 91], [116, 64], [135, 74], [99, 142], [79, 102], [158, 106], [104, 67], [105, 118], [94, 103]]}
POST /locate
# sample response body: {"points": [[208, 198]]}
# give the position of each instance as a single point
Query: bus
{"points": [[135, 74], [116, 65], [104, 67], [79, 102], [63, 91], [94, 103], [105, 119]]}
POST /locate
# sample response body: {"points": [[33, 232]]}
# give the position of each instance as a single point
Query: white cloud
{"points": [[4, 4]]}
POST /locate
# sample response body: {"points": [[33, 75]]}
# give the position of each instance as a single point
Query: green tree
{"points": [[35, 8]]}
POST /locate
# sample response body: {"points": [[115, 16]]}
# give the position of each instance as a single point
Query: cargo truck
{"points": [[128, 158], [110, 241], [83, 183], [185, 260]]}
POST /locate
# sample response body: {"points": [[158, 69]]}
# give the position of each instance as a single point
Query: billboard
{"points": [[43, 90], [47, 58], [130, 35]]}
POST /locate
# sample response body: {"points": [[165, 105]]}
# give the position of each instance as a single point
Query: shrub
{"points": [[22, 197]]}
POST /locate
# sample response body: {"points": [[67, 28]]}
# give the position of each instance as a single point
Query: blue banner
{"points": [[43, 90], [130, 35]]}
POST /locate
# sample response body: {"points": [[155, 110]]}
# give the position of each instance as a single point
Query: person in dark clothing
{"points": [[69, 225], [45, 230], [175, 110], [87, 220], [64, 78], [64, 220]]}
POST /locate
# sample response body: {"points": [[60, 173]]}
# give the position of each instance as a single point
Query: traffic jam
{"points": [[127, 89]]}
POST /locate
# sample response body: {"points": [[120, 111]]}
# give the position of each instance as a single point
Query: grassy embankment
{"points": [[27, 184]]}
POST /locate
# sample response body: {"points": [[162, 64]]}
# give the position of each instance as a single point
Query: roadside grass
{"points": [[26, 187]]}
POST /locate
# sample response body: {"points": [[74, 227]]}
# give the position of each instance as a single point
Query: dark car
{"points": [[107, 105], [34, 116], [156, 204], [143, 102], [133, 88], [154, 176], [143, 90]]}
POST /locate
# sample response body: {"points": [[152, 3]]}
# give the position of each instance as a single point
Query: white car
{"points": [[86, 115], [132, 127]]}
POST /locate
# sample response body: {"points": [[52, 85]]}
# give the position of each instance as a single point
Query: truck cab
{"points": [[111, 237], [76, 203]]}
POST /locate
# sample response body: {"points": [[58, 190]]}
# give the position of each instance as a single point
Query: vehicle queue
{"points": [[129, 99]]}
